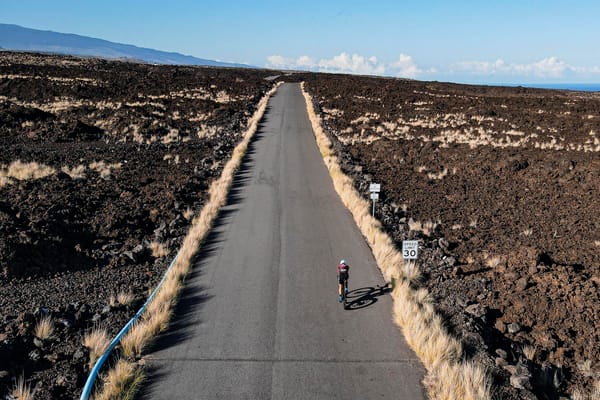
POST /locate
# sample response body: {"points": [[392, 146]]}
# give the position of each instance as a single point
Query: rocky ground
{"points": [[103, 165], [501, 187]]}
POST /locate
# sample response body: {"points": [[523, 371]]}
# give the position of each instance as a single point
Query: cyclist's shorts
{"points": [[342, 277]]}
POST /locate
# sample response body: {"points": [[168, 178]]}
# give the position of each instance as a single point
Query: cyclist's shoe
{"points": [[340, 298], [346, 290]]}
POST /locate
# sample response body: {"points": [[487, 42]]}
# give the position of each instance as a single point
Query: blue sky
{"points": [[526, 41]]}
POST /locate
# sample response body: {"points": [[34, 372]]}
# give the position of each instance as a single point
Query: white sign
{"points": [[374, 196], [410, 249], [375, 187]]}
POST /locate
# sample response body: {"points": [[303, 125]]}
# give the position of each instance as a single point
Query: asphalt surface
{"points": [[259, 317]]}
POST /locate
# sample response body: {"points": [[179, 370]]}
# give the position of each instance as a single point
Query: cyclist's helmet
{"points": [[342, 261]]}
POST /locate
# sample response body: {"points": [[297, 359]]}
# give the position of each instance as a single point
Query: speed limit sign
{"points": [[410, 249]]}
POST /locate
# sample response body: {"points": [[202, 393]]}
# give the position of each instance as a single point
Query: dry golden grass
{"points": [[169, 157], [474, 131], [97, 341], [593, 394], [429, 227], [493, 262], [134, 342], [414, 225], [440, 175], [578, 394], [188, 213], [207, 131], [22, 390], [171, 137], [44, 327], [155, 320], [122, 380], [156, 317], [426, 227], [458, 381], [125, 298], [112, 300], [105, 170], [77, 172], [448, 377], [529, 352], [24, 171], [586, 369], [122, 298], [158, 249], [527, 232]]}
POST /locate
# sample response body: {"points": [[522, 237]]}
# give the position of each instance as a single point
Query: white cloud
{"points": [[342, 63], [404, 66], [550, 67], [305, 61], [585, 71], [353, 64], [276, 61]]}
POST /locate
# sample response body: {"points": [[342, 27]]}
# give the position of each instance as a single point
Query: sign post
{"points": [[374, 188], [374, 197], [410, 251]]}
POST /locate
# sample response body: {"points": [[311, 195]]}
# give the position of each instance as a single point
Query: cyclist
{"points": [[343, 273]]}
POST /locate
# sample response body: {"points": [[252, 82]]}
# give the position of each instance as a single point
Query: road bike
{"points": [[344, 294]]}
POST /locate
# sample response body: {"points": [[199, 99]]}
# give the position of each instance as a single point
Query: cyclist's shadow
{"points": [[365, 297]]}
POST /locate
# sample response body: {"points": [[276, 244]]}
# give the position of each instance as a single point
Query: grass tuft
{"points": [[586, 369], [159, 249], [77, 172], [493, 262], [105, 170], [426, 227], [529, 352], [24, 171], [595, 395], [22, 390], [3, 180], [188, 214], [97, 341], [440, 175], [125, 298], [122, 379], [44, 327]]}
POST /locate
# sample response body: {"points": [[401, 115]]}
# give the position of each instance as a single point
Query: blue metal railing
{"points": [[89, 384]]}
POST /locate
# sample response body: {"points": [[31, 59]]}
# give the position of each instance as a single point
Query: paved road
{"points": [[259, 318]]}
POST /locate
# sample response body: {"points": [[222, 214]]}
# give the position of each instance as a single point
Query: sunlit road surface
{"points": [[260, 318]]}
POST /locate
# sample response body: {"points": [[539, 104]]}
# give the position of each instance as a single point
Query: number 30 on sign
{"points": [[410, 249]]}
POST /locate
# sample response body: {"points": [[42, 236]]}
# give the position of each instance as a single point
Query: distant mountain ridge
{"points": [[15, 37]]}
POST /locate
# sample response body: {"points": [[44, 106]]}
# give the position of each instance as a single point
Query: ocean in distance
{"points": [[584, 87]]}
